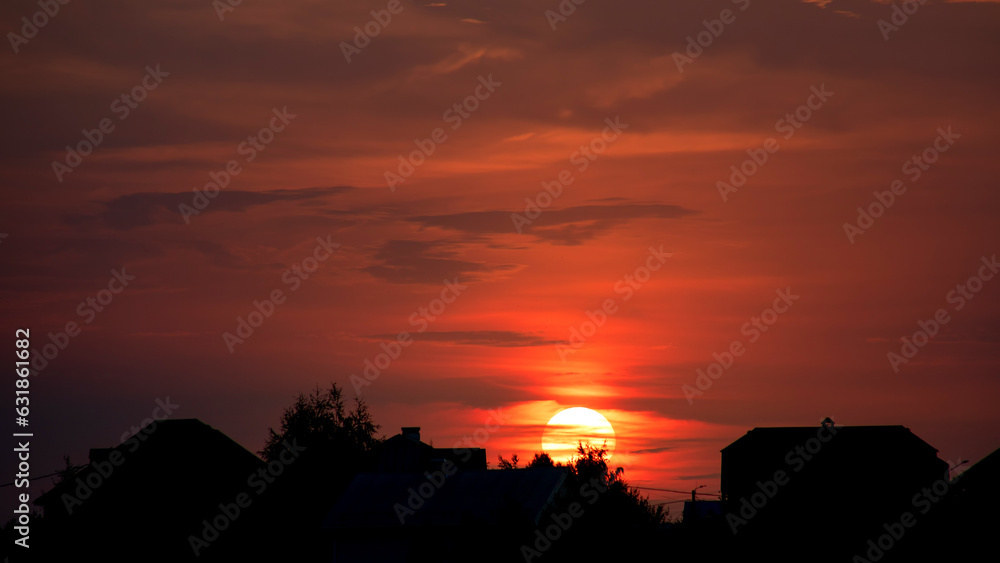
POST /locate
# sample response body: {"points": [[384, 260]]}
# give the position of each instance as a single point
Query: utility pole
{"points": [[693, 491]]}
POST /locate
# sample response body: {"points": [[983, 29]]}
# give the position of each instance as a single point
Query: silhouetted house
{"points": [[141, 500], [404, 452], [426, 506], [821, 490], [961, 526], [977, 490], [698, 511]]}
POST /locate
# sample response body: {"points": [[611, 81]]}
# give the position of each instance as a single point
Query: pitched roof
{"points": [[167, 446], [983, 477], [790, 436]]}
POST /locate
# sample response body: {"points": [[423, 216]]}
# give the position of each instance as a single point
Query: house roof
{"points": [[984, 476], [790, 436], [167, 447], [371, 499], [406, 453]]}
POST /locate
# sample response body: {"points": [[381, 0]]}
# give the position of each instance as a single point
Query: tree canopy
{"points": [[320, 421]]}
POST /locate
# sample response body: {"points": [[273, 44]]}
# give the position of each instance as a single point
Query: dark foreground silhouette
{"points": [[326, 488]]}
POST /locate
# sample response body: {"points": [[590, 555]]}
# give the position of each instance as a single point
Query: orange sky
{"points": [[543, 94]]}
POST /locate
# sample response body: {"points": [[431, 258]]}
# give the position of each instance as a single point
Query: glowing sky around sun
{"points": [[574, 426], [573, 277]]}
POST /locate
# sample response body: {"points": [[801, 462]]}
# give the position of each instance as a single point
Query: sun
{"points": [[571, 426]]}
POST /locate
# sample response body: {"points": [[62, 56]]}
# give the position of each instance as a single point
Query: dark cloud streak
{"points": [[494, 338]]}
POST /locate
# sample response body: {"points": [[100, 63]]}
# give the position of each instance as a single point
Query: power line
{"points": [[669, 501], [34, 478], [673, 491]]}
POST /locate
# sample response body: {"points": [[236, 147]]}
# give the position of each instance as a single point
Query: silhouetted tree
{"points": [[335, 443], [541, 461], [321, 421], [504, 464], [592, 463], [69, 471], [608, 508]]}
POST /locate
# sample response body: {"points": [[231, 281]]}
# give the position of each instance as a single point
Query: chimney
{"points": [[411, 432]]}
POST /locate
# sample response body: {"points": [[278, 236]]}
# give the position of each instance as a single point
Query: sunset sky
{"points": [[638, 130]]}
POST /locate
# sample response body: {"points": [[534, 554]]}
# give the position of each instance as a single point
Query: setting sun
{"points": [[570, 427]]}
